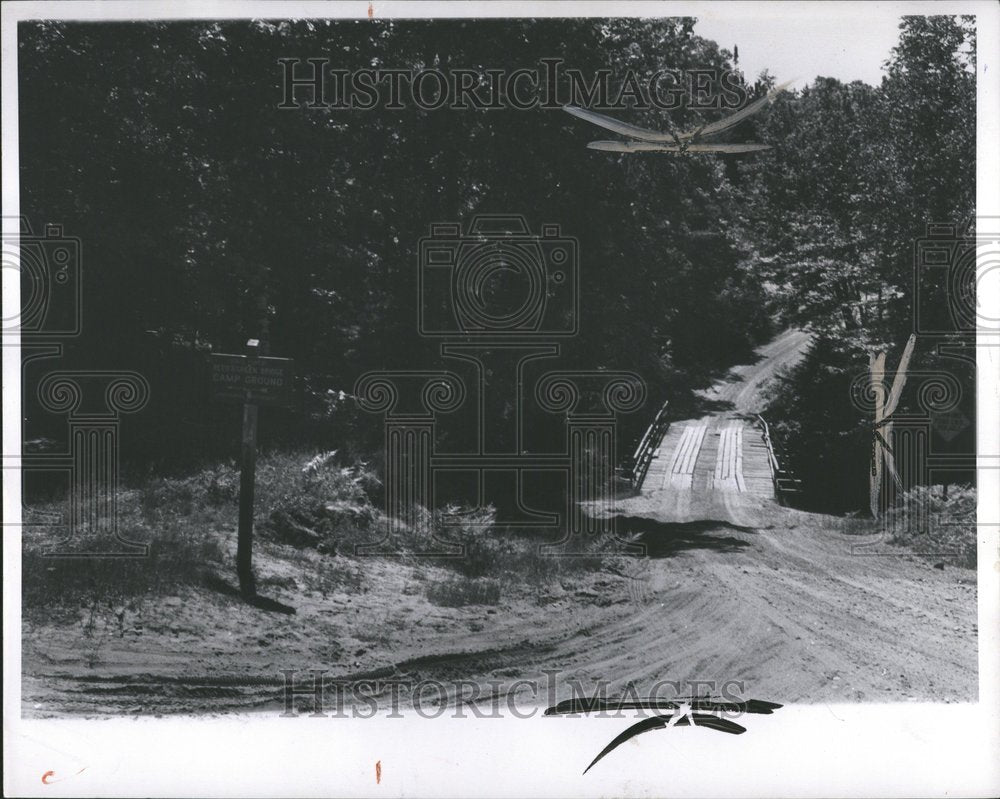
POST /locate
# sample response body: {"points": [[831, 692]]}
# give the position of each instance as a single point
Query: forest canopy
{"points": [[208, 214]]}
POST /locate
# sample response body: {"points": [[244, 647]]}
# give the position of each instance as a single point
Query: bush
{"points": [[489, 549], [932, 523], [319, 504]]}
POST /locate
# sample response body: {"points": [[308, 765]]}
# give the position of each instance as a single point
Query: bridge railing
{"points": [[634, 469], [785, 482]]}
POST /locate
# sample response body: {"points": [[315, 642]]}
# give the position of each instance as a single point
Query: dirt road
{"points": [[734, 587], [738, 588], [790, 611]]}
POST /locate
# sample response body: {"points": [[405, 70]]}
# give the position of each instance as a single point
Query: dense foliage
{"points": [[835, 213], [208, 215]]}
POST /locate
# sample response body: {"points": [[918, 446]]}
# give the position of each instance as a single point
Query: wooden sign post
{"points": [[252, 380], [248, 474]]}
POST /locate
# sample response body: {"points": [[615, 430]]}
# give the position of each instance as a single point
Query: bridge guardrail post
{"points": [[638, 464]]}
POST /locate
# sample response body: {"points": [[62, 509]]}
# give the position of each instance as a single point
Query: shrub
{"points": [[319, 504], [932, 523]]}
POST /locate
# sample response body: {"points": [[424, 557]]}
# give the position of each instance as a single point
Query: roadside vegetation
{"points": [[933, 522], [303, 503]]}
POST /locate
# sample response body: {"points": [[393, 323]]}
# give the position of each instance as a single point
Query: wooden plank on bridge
{"points": [[681, 471], [729, 459]]}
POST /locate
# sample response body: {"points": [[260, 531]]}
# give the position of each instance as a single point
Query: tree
{"points": [[856, 175]]}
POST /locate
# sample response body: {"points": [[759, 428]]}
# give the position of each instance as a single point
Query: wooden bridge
{"points": [[729, 451], [719, 454]]}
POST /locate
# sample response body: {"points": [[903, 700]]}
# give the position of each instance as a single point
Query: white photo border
{"points": [[818, 750]]}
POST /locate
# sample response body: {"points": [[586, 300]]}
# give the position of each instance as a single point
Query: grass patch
{"points": [[178, 554], [457, 592], [488, 548]]}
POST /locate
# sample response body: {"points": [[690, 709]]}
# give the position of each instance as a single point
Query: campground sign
{"points": [[248, 378]]}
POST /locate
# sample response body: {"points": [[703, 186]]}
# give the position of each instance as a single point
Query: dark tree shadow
{"points": [[709, 374], [216, 583], [694, 406], [665, 539]]}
